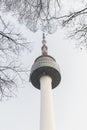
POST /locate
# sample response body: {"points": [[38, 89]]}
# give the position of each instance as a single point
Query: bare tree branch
{"points": [[45, 14], [35, 13], [11, 43], [76, 24]]}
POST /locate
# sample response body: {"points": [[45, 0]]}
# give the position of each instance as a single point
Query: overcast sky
{"points": [[70, 97]]}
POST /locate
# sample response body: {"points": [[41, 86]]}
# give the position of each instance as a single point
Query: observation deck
{"points": [[45, 65]]}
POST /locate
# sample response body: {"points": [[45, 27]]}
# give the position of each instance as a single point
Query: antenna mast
{"points": [[44, 47]]}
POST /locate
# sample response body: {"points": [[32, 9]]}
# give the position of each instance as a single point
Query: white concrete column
{"points": [[47, 121]]}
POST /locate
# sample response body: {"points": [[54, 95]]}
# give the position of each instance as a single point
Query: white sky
{"points": [[70, 98]]}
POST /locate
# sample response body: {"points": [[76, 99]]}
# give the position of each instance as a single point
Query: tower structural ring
{"points": [[45, 65]]}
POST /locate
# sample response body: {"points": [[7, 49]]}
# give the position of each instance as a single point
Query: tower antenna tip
{"points": [[44, 47], [44, 41], [43, 36]]}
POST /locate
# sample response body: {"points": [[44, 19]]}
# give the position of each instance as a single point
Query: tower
{"points": [[45, 75]]}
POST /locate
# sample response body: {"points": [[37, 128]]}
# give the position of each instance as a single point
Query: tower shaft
{"points": [[45, 75], [47, 120]]}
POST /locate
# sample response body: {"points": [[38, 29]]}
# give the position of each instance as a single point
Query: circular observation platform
{"points": [[45, 65]]}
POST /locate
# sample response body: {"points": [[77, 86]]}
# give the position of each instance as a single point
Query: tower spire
{"points": [[44, 47]]}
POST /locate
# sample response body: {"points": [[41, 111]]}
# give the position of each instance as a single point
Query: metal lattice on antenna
{"points": [[44, 47]]}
